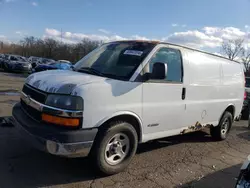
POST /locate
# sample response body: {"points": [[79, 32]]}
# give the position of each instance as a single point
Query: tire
{"points": [[106, 148], [221, 131], [245, 114]]}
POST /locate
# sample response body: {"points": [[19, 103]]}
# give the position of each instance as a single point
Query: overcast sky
{"points": [[197, 23]]}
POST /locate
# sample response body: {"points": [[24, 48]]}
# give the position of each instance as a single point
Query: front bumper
{"points": [[54, 140]]}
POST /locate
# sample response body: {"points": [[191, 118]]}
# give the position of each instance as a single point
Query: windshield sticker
{"points": [[133, 52]]}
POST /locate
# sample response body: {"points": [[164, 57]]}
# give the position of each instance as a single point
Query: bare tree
{"points": [[246, 59], [51, 45], [232, 48], [31, 46]]}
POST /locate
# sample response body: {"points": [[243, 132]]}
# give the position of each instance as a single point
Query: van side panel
{"points": [[208, 94], [211, 83], [232, 88]]}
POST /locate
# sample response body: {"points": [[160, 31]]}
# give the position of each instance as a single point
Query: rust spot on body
{"points": [[193, 128]]}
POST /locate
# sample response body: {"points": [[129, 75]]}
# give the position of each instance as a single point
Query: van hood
{"points": [[60, 81]]}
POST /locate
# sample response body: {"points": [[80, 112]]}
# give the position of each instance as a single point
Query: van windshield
{"points": [[117, 60]]}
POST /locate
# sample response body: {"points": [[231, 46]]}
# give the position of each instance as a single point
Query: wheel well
{"points": [[230, 109], [129, 119]]}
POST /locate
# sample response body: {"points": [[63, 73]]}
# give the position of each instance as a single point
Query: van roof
{"points": [[178, 45], [200, 51]]}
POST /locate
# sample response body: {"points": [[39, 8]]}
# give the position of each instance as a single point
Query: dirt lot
{"points": [[192, 160]]}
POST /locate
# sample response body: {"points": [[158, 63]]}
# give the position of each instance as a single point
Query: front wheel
{"points": [[221, 131], [114, 147]]}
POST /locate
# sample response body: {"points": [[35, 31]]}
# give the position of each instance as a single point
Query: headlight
{"points": [[66, 102]]}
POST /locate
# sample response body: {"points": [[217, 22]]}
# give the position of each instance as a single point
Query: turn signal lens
{"points": [[69, 122]]}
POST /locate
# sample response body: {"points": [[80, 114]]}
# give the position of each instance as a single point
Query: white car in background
{"points": [[33, 59], [45, 61], [64, 61], [17, 63]]}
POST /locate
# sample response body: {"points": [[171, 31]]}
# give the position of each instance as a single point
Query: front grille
{"points": [[35, 94], [33, 113]]}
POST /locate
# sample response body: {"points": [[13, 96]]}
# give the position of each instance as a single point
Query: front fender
{"points": [[116, 114]]}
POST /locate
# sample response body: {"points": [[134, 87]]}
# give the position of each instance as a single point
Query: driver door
{"points": [[164, 100]]}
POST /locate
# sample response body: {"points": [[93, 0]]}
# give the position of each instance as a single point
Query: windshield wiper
{"points": [[90, 70]]}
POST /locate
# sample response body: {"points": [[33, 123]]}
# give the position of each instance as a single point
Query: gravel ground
{"points": [[192, 160]]}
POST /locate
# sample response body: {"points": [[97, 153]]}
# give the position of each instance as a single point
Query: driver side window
{"points": [[171, 57]]}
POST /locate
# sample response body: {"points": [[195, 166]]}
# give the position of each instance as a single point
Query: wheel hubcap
{"points": [[225, 127], [117, 149]]}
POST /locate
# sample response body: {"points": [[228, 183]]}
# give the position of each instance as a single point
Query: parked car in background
{"points": [[33, 60], [245, 108], [64, 61], [45, 61], [2, 58], [16, 63], [53, 66], [243, 180], [41, 61]]}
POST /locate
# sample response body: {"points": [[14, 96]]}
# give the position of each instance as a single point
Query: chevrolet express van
{"points": [[129, 92]]}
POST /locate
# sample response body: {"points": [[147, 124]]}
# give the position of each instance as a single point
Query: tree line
{"points": [[235, 50], [49, 48]]}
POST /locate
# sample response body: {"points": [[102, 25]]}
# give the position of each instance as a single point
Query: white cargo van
{"points": [[125, 93]]}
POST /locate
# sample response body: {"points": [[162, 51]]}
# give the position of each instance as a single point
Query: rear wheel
{"points": [[114, 148], [221, 131]]}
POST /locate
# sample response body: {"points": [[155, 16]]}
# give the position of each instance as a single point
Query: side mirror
{"points": [[159, 71]]}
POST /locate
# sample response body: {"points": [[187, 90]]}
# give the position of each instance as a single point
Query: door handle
{"points": [[183, 95]]}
